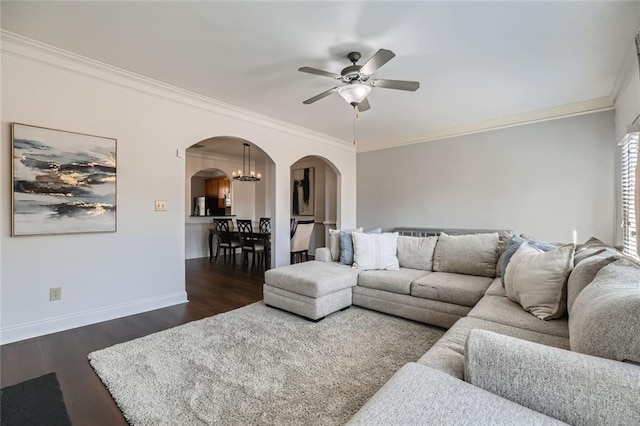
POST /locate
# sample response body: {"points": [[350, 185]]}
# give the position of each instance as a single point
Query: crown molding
{"points": [[546, 114], [35, 51]]}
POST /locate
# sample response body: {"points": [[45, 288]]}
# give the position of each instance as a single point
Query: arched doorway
{"points": [[216, 159], [314, 196]]}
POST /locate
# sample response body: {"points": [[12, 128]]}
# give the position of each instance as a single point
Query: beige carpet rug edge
{"points": [[258, 365]]}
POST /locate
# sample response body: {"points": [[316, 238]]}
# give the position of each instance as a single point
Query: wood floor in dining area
{"points": [[212, 289]]}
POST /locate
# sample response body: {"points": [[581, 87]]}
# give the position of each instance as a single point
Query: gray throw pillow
{"points": [[514, 245], [346, 245], [585, 271], [536, 279], [472, 254], [416, 252], [591, 247]]}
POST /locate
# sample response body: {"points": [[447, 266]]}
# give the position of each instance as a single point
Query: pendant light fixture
{"points": [[246, 174]]}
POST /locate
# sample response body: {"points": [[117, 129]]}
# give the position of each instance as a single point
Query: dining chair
{"points": [[226, 240], [293, 225], [265, 228], [249, 243], [265, 225], [300, 240]]}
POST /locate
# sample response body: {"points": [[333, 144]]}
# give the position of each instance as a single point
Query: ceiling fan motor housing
{"points": [[352, 72]]}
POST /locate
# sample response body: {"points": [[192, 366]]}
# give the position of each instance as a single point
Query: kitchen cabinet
{"points": [[217, 187], [211, 187], [224, 186]]}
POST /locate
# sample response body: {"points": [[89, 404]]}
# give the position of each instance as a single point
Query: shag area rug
{"points": [[258, 365]]}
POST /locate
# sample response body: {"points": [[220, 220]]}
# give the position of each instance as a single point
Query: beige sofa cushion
{"points": [[574, 388], [605, 318], [475, 254], [416, 252], [536, 279], [504, 311], [393, 281], [447, 354], [584, 272], [496, 288], [459, 289]]}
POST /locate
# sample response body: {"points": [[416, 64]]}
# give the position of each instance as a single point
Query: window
{"points": [[629, 160]]}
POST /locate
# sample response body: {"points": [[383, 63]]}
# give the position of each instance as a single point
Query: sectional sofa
{"points": [[537, 333]]}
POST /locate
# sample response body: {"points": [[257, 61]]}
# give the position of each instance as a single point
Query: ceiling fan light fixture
{"points": [[354, 93]]}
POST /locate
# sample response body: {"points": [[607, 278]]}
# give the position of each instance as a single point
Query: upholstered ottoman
{"points": [[310, 289]]}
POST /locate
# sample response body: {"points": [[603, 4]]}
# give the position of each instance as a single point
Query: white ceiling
{"points": [[476, 61]]}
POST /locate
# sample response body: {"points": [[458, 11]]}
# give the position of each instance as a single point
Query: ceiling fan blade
{"points": [[380, 58], [320, 96], [364, 105], [316, 71], [411, 86]]}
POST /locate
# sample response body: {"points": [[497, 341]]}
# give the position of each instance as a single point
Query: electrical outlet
{"points": [[55, 293], [161, 205]]}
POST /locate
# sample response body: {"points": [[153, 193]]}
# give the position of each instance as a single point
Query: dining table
{"points": [[263, 237]]}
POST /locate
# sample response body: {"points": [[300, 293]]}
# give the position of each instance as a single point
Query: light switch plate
{"points": [[161, 205]]}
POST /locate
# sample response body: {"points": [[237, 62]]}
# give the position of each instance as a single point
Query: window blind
{"points": [[629, 161]]}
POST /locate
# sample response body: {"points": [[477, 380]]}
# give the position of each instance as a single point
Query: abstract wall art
{"points": [[302, 184], [63, 182]]}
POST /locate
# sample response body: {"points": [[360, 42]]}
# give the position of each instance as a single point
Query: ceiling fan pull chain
{"points": [[355, 114]]}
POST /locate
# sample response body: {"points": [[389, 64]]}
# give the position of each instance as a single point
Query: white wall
{"points": [[628, 99], [543, 179], [141, 266]]}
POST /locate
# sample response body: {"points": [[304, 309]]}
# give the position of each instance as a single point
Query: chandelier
{"points": [[245, 175]]}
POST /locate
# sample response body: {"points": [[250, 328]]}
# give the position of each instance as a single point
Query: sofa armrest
{"points": [[323, 254], [419, 395], [569, 386]]}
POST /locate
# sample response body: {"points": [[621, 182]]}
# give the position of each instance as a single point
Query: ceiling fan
{"points": [[357, 81]]}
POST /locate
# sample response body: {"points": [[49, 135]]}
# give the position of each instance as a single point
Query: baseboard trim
{"points": [[65, 322]]}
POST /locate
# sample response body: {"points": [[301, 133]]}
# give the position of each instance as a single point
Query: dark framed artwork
{"points": [[63, 182], [303, 191]]}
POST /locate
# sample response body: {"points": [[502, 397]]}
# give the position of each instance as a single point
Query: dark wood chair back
{"points": [[293, 225], [265, 225], [222, 229], [245, 228]]}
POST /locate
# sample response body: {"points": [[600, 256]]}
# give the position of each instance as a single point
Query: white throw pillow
{"points": [[537, 280], [334, 243], [375, 251]]}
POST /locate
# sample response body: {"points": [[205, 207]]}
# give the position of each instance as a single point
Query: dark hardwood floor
{"points": [[212, 289]]}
